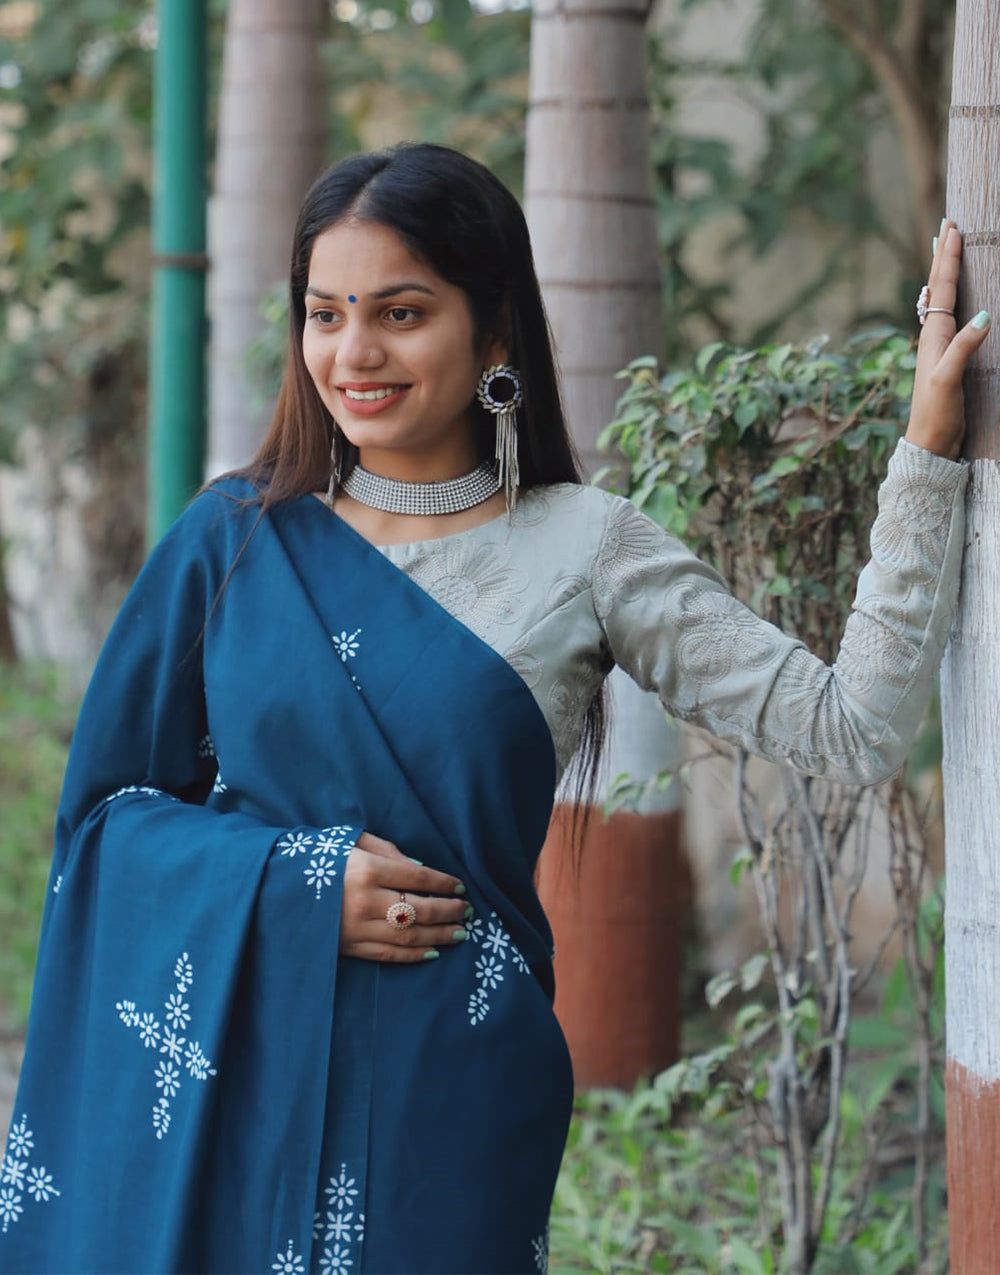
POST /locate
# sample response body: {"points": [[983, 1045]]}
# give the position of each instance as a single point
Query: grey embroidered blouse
{"points": [[579, 580]]}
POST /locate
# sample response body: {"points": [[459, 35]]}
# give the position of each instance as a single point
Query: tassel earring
{"points": [[499, 390], [334, 484]]}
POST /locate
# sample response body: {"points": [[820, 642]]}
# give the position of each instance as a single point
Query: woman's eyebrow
{"points": [[382, 295]]}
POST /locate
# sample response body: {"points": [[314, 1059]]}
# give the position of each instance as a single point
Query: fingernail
{"points": [[459, 935], [934, 246], [431, 954], [470, 912], [460, 888], [982, 320], [944, 223], [418, 862]]}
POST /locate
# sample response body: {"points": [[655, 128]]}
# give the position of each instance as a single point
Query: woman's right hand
{"points": [[377, 874], [937, 412]]}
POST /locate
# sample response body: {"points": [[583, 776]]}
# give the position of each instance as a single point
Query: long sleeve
{"points": [[672, 624]]}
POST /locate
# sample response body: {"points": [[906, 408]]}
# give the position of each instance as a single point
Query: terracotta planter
{"points": [[618, 926]]}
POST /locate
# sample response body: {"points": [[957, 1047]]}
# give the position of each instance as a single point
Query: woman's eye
{"points": [[402, 314], [322, 316]]}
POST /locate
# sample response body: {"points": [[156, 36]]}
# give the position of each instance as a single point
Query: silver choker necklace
{"points": [[394, 496]]}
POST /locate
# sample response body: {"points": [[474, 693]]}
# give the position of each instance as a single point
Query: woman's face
{"points": [[391, 350]]}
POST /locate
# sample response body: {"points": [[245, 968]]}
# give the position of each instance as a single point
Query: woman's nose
{"points": [[358, 347]]}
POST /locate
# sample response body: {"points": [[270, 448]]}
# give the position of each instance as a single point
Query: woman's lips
{"points": [[370, 406]]}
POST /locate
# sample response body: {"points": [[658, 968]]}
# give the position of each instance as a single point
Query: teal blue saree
{"points": [[208, 1085]]}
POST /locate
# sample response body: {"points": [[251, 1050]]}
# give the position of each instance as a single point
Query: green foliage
{"points": [[767, 463], [817, 107], [36, 718], [639, 1192], [879, 1104], [455, 75], [679, 1175], [672, 1177], [74, 202], [265, 357]]}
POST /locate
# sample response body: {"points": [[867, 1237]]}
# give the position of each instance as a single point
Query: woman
{"points": [[293, 1002]]}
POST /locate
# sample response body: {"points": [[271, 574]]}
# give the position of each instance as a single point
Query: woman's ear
{"points": [[497, 352], [498, 342]]}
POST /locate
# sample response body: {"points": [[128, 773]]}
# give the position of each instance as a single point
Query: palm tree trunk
{"points": [[589, 203], [589, 199], [271, 145], [971, 676]]}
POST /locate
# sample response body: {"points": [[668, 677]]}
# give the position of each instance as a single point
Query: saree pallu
{"points": [[207, 1085]]}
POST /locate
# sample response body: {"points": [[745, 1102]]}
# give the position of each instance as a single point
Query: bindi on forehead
{"points": [[383, 294]]}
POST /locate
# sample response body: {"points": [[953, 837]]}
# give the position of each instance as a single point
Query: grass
{"points": [[37, 711]]}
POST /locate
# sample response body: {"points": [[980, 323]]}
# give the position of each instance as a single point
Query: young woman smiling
{"points": [[397, 367], [293, 1004]]}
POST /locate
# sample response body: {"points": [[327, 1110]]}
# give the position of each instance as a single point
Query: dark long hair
{"points": [[454, 215]]}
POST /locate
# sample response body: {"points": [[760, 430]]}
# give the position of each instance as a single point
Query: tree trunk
{"points": [[589, 202], [589, 199], [271, 145], [971, 676], [8, 646]]}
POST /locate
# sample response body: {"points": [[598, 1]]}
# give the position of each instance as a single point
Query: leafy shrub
{"points": [[663, 1179], [767, 462]]}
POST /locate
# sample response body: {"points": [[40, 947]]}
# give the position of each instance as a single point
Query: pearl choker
{"points": [[393, 496]]}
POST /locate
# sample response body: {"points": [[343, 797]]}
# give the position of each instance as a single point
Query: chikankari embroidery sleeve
{"points": [[671, 622]]}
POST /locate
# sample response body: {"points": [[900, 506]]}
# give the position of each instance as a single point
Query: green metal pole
{"points": [[176, 444]]}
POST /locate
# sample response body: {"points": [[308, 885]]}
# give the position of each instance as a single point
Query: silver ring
{"points": [[923, 309]]}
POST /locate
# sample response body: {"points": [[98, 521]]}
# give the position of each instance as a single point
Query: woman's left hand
{"points": [[937, 414]]}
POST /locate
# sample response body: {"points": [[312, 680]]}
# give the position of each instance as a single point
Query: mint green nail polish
{"points": [[982, 320], [460, 888], [460, 935], [418, 862], [470, 912], [431, 954], [944, 223], [934, 246]]}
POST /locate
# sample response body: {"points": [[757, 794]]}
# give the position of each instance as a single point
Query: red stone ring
{"points": [[401, 915]]}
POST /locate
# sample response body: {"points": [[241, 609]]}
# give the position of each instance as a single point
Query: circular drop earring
{"points": [[500, 391]]}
